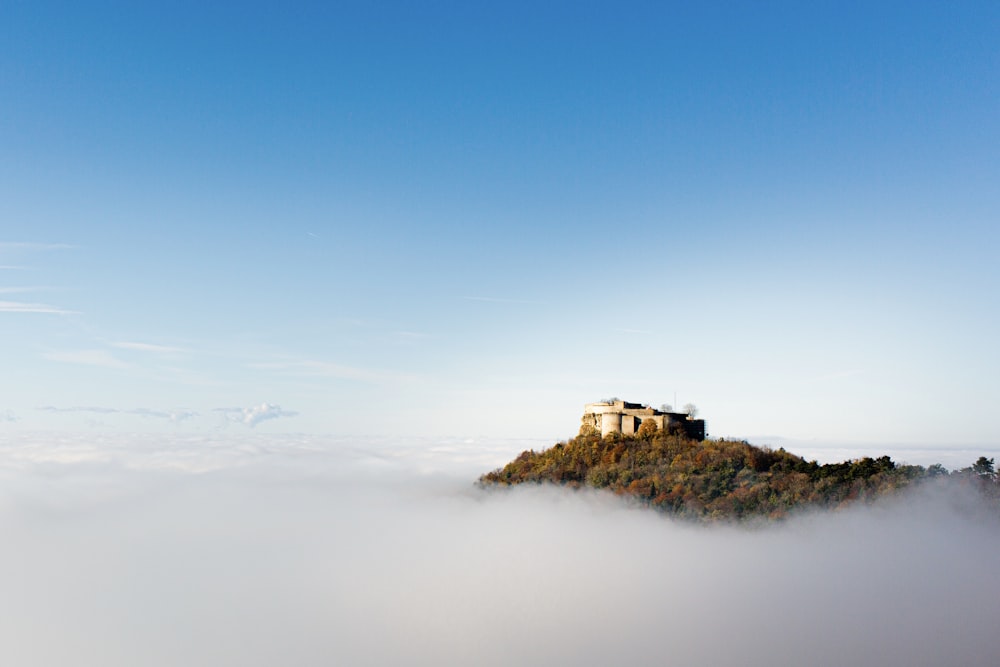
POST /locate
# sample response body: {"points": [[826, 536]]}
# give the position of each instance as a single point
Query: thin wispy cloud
{"points": [[92, 408], [493, 299], [22, 289], [409, 334], [101, 358], [147, 347], [172, 415], [254, 415], [177, 415], [8, 417], [326, 369], [27, 245], [24, 307], [836, 376], [407, 337]]}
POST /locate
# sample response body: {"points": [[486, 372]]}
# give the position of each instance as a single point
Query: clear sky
{"points": [[472, 218]]}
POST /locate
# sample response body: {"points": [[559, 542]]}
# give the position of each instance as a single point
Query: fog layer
{"points": [[281, 551]]}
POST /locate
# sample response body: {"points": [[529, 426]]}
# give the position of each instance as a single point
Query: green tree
{"points": [[936, 470], [984, 468]]}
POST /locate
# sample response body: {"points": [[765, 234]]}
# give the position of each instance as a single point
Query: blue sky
{"points": [[441, 219]]}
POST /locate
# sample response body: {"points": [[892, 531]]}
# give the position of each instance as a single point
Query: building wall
{"points": [[611, 422], [623, 417], [629, 426]]}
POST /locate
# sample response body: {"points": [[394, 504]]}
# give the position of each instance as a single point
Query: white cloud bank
{"points": [[261, 550]]}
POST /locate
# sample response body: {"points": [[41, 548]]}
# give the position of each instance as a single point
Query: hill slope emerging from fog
{"points": [[720, 479]]}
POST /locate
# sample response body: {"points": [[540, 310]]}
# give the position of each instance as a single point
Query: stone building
{"points": [[623, 417]]}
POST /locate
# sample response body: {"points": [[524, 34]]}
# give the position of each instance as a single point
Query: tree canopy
{"points": [[717, 479]]}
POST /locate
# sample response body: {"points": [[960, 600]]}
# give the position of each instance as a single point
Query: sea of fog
{"points": [[284, 550]]}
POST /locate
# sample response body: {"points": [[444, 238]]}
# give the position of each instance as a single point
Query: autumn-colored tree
{"points": [[647, 428], [715, 480]]}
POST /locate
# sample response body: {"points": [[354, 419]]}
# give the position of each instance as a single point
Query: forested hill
{"points": [[720, 479]]}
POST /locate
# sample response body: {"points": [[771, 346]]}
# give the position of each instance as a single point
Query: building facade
{"points": [[623, 417]]}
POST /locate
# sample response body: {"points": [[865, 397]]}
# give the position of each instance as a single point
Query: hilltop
{"points": [[717, 479]]}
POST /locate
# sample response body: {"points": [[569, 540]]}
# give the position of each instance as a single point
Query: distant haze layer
{"points": [[300, 551]]}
